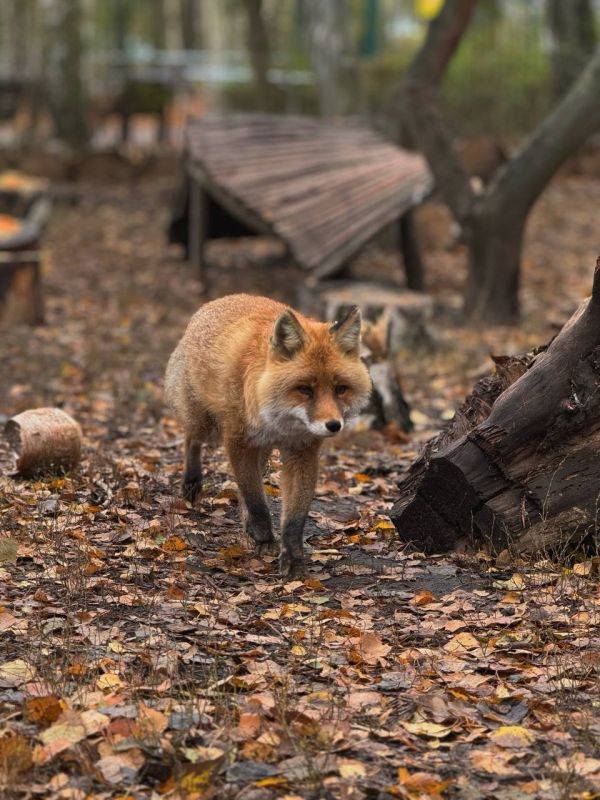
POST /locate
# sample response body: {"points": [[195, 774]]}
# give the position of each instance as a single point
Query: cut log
{"points": [[406, 315], [21, 300], [518, 467], [44, 440]]}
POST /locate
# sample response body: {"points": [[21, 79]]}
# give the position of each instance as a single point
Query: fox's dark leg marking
{"points": [[248, 463], [298, 480], [192, 473]]}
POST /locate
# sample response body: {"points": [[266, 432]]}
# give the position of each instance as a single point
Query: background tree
{"points": [[191, 25], [573, 40], [492, 219], [326, 25], [259, 51], [65, 57]]}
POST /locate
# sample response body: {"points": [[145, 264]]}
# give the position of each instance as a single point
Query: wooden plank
{"points": [[324, 189]]}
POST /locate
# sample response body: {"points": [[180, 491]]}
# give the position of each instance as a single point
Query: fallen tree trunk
{"points": [[518, 467], [45, 440]]}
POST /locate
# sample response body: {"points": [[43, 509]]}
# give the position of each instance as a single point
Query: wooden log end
{"points": [[44, 440]]}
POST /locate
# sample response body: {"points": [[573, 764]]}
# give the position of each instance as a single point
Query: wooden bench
{"points": [[323, 188]]}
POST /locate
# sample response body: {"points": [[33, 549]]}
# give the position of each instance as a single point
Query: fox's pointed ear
{"points": [[288, 336], [346, 331]]}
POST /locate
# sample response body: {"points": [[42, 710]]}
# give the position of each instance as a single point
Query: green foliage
{"points": [[499, 81]]}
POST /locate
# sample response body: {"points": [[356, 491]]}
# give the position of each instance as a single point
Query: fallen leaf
{"points": [[421, 784], [14, 673], [429, 729], [110, 680], [494, 761], [349, 768], [512, 736], [370, 649], [9, 549], [43, 710]]}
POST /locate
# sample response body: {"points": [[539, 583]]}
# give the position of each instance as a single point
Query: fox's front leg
{"points": [[298, 480], [248, 465]]}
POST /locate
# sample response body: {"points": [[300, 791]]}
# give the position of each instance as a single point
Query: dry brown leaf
{"points": [[370, 649]]}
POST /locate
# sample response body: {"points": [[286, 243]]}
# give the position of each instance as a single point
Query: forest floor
{"points": [[146, 651]]}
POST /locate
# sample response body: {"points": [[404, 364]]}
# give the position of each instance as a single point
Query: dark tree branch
{"points": [[564, 130], [420, 110]]}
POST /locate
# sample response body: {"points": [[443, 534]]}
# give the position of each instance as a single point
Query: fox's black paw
{"points": [[191, 489], [259, 529], [267, 547], [291, 565]]}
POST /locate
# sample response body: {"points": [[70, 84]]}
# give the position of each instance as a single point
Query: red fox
{"points": [[258, 375]]}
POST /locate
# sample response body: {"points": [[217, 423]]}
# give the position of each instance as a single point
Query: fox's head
{"points": [[314, 380]]}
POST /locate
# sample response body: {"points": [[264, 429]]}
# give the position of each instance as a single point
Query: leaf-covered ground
{"points": [[147, 652]]}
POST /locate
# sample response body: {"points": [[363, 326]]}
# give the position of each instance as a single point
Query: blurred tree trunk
{"points": [[492, 219], [191, 26], [159, 25], [259, 52], [327, 35], [19, 25], [573, 40], [67, 97], [370, 34]]}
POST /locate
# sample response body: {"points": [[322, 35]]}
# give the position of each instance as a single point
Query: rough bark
{"points": [[518, 465], [493, 218], [44, 440]]}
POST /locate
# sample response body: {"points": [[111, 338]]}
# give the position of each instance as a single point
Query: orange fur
{"points": [[250, 370]]}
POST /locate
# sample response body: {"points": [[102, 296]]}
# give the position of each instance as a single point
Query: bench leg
{"points": [[413, 264], [197, 229]]}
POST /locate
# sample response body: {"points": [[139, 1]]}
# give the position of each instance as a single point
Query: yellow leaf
{"points": [[429, 729], [349, 768], [384, 525], [428, 9], [110, 680], [274, 491], [16, 672], [462, 642], [272, 780], [512, 736]]}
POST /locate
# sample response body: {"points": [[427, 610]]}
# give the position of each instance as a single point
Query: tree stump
{"points": [[44, 440], [21, 300], [405, 314], [518, 466]]}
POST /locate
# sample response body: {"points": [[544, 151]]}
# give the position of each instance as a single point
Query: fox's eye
{"points": [[340, 390], [305, 390]]}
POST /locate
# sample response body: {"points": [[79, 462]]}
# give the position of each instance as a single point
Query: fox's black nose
{"points": [[333, 425]]}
